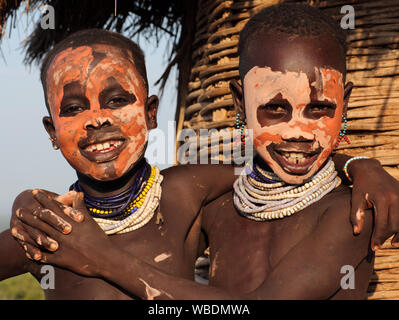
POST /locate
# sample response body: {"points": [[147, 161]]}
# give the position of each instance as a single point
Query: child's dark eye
{"points": [[117, 102], [320, 110], [74, 108], [273, 108], [273, 113]]}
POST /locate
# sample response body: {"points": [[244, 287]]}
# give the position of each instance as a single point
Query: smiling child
{"points": [[96, 93]]}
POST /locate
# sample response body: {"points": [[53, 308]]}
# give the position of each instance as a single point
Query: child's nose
{"points": [[297, 134], [98, 122]]}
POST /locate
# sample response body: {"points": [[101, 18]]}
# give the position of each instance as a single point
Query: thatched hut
{"points": [[205, 37]]}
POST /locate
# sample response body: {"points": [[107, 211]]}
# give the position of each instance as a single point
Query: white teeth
{"points": [[296, 157], [101, 147]]}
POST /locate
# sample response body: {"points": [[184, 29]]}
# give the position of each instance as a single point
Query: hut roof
{"points": [[149, 18]]}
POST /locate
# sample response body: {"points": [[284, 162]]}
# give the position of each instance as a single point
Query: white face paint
{"points": [[281, 113]]}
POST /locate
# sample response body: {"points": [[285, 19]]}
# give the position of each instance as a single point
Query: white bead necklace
{"points": [[142, 216], [265, 201]]}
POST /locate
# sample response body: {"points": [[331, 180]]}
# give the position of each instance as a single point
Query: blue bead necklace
{"points": [[114, 207]]}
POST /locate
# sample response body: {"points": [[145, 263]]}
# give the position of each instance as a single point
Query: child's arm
{"points": [[88, 251], [206, 181], [13, 261], [373, 188]]}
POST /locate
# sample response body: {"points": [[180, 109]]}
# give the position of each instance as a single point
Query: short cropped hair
{"points": [[291, 19], [89, 37]]}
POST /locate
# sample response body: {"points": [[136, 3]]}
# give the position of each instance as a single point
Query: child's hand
{"points": [[374, 188], [32, 240], [81, 251]]}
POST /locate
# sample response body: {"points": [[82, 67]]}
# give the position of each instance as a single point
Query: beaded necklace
{"points": [[119, 205], [260, 195], [130, 209]]}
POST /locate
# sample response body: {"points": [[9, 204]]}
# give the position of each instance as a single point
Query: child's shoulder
{"points": [[341, 195], [189, 174], [338, 201], [200, 169], [339, 209]]}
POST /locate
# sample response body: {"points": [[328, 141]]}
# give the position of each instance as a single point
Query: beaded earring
{"points": [[240, 128], [342, 133]]}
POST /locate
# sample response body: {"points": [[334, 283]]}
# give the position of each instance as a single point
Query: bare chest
{"points": [[243, 252]]}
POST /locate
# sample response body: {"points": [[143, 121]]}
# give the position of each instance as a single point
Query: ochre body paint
{"points": [[261, 85], [94, 74]]}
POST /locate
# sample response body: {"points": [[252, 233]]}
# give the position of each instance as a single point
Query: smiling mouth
{"points": [[295, 162], [104, 147], [103, 151]]}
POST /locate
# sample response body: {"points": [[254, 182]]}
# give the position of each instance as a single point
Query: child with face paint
{"points": [[295, 257], [286, 224], [97, 96]]}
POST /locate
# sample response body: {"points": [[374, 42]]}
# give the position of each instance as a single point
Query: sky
{"points": [[27, 157]]}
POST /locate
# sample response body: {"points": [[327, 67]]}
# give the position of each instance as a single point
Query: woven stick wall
{"points": [[373, 67]]}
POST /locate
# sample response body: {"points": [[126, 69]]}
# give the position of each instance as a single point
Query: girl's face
{"points": [[296, 118], [97, 103]]}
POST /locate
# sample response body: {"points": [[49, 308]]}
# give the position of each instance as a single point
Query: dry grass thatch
{"points": [[146, 18]]}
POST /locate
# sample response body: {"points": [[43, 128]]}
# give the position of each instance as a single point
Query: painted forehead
{"points": [[76, 64], [296, 87]]}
